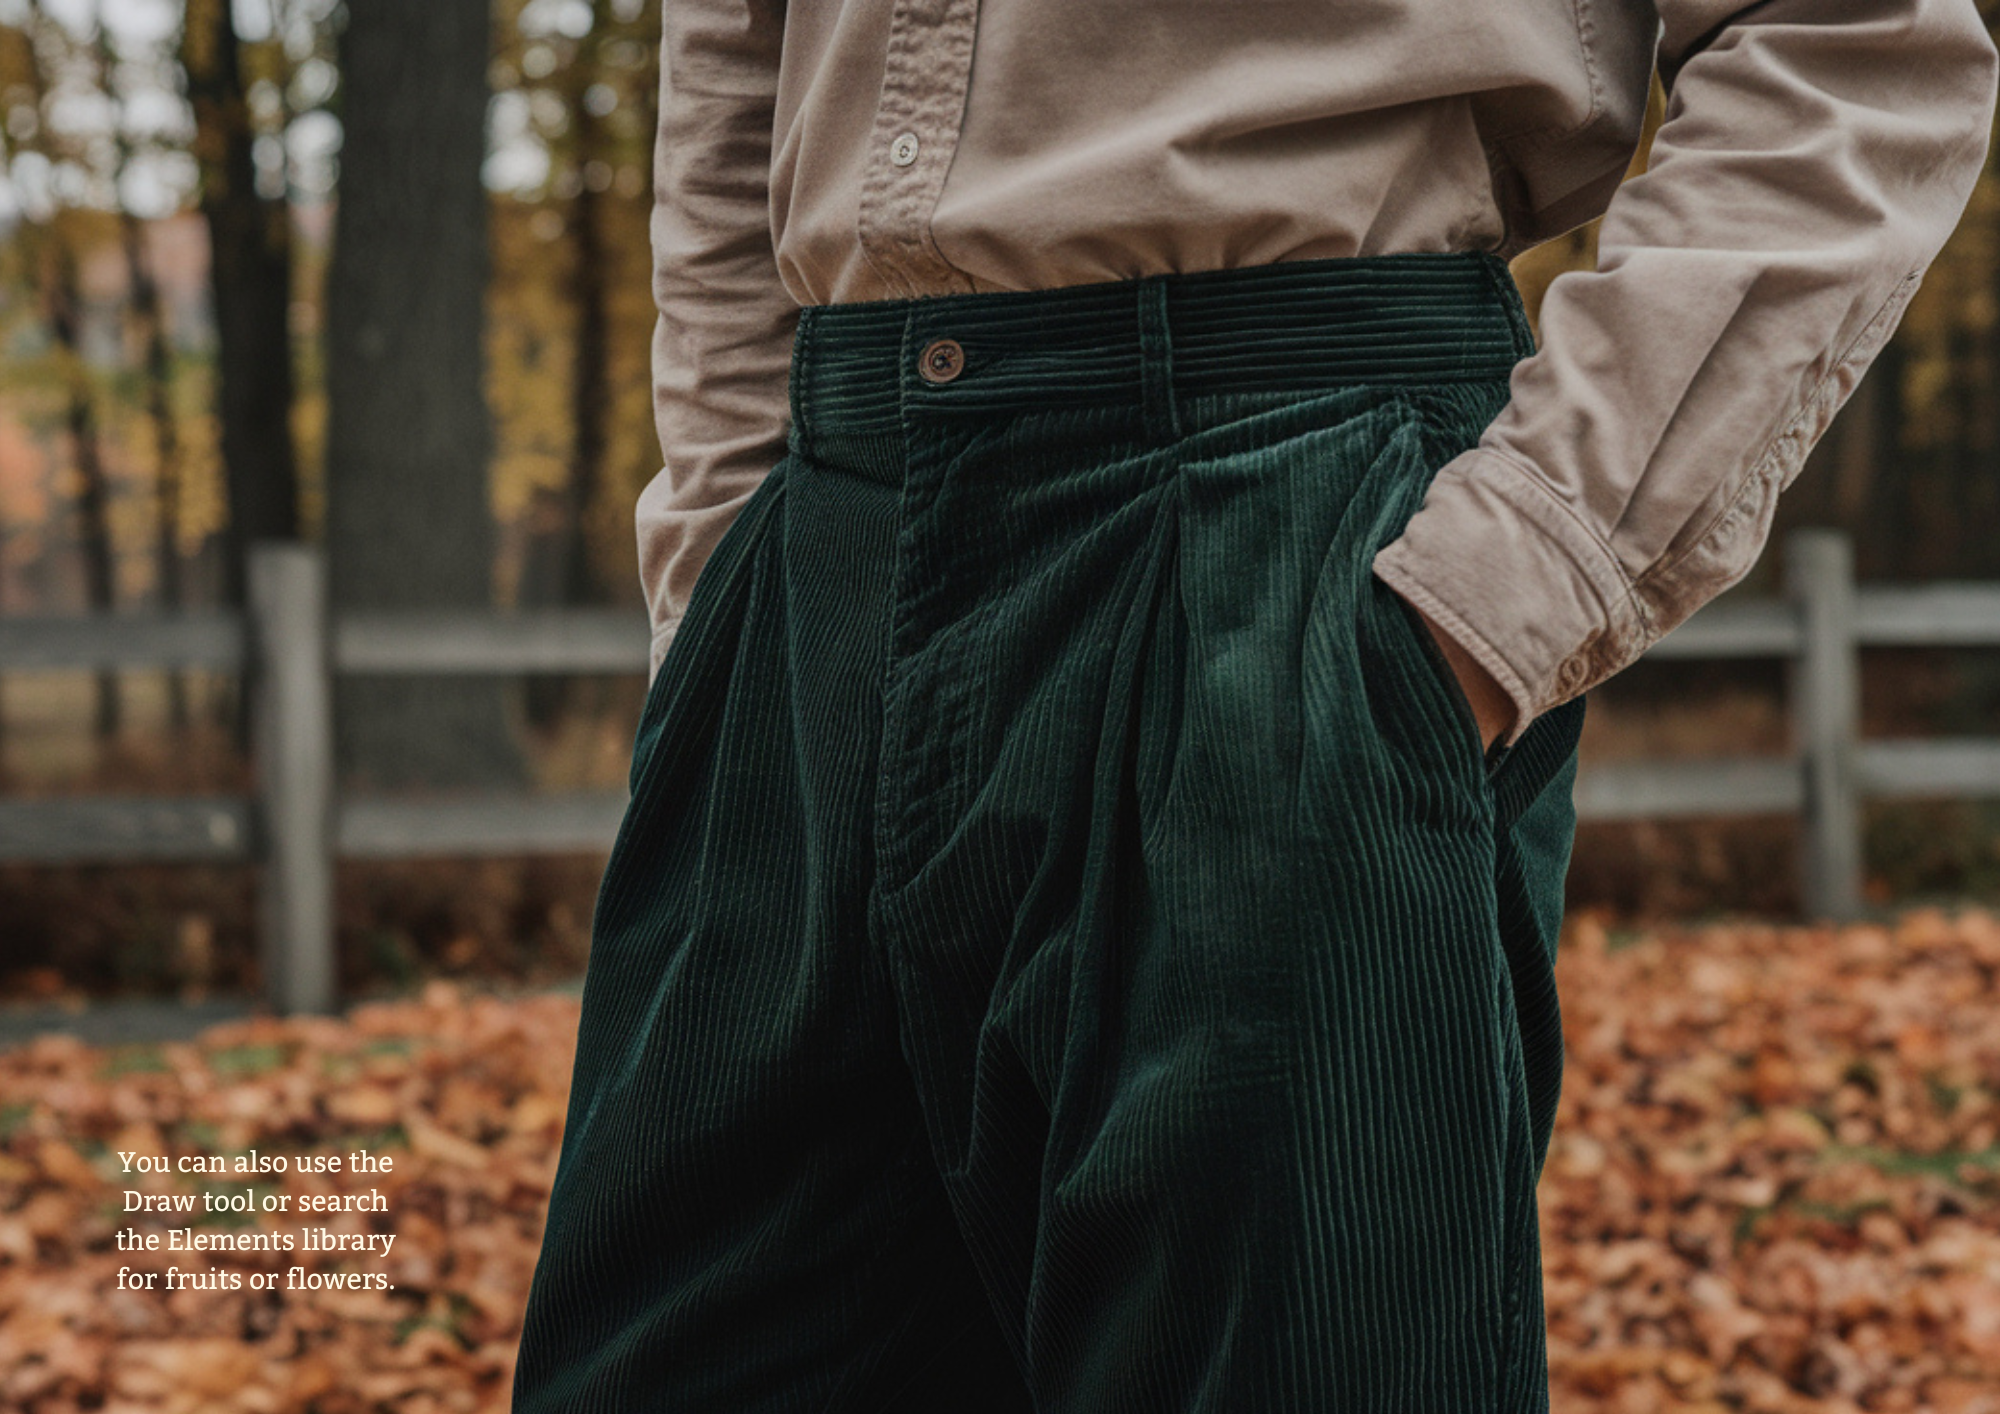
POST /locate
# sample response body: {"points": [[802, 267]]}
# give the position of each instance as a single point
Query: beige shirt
{"points": [[1814, 156]]}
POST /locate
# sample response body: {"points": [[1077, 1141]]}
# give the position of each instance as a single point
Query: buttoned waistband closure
{"points": [[872, 368]]}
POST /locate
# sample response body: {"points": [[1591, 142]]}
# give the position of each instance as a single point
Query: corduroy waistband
{"points": [[867, 370]]}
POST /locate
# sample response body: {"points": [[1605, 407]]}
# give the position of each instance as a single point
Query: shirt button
{"points": [[903, 151], [941, 361]]}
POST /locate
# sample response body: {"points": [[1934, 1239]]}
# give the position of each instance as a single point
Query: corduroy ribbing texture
{"points": [[1067, 949]]}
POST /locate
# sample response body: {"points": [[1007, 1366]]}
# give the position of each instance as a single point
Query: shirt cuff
{"points": [[1518, 581]]}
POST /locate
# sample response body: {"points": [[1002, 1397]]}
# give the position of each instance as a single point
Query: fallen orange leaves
{"points": [[1772, 1188], [1772, 1185], [467, 1098]]}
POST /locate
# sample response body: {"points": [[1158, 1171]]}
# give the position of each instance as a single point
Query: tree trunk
{"points": [[152, 330], [558, 568], [409, 522], [92, 496], [166, 448], [590, 390], [250, 254]]}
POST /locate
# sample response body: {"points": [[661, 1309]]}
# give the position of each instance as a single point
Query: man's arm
{"points": [[1813, 159], [722, 346]]}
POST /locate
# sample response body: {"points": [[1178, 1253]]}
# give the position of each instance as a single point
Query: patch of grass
{"points": [[245, 1061], [452, 1316], [1843, 1215], [333, 1066], [1840, 1214], [200, 1135], [1619, 937], [1949, 1165], [135, 1060], [1944, 1096], [1747, 1222], [12, 1117]]}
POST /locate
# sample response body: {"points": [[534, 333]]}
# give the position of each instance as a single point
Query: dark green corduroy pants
{"points": [[1067, 949]]}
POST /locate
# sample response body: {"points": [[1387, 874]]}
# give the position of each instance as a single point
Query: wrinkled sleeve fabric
{"points": [[722, 343], [1813, 159]]}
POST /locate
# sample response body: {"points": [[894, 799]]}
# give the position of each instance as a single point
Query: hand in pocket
{"points": [[1491, 707]]}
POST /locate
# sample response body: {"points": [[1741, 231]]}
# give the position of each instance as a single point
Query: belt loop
{"points": [[1156, 362]]}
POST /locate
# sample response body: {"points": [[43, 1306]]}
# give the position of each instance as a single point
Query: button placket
{"points": [[917, 120]]}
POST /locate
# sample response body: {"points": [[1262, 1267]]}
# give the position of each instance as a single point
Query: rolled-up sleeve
{"points": [[722, 344], [1813, 160]]}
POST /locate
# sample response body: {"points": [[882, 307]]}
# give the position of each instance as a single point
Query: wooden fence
{"points": [[296, 825]]}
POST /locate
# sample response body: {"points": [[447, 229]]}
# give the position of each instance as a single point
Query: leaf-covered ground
{"points": [[1773, 1188], [1775, 1182]]}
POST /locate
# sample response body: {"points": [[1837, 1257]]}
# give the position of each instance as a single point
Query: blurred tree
{"points": [[250, 264], [556, 568], [52, 257], [151, 328], [599, 62], [589, 101], [64, 316], [408, 434], [93, 500]]}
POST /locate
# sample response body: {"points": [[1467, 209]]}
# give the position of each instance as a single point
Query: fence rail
{"points": [[296, 825]]}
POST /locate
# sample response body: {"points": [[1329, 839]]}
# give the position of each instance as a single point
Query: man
{"points": [[1082, 935]]}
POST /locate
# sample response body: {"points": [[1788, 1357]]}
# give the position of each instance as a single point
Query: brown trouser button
{"points": [[941, 361]]}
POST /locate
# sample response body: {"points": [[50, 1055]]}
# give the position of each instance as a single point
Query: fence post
{"points": [[293, 741], [1826, 716]]}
